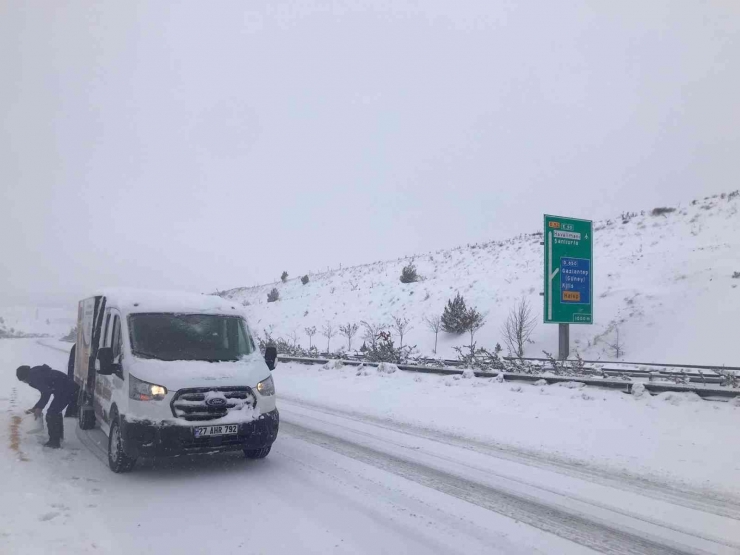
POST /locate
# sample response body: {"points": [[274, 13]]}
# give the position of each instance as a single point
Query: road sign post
{"points": [[563, 341], [568, 261]]}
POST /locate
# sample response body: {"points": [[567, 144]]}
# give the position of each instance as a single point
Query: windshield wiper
{"points": [[144, 354]]}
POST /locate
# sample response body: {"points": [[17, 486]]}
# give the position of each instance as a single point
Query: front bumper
{"points": [[148, 439]]}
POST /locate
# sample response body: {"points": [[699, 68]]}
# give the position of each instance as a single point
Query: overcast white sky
{"points": [[203, 145]]}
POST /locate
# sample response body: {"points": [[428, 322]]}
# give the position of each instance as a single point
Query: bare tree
{"points": [[371, 333], [434, 323], [518, 327], [349, 332], [472, 322], [328, 331], [294, 337], [402, 327], [617, 347], [310, 332]]}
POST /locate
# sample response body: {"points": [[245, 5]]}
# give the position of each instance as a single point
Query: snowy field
{"points": [[665, 282], [388, 464], [55, 322]]}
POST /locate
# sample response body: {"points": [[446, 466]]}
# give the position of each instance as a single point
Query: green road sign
{"points": [[568, 271]]}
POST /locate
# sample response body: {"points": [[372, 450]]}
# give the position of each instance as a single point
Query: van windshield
{"points": [[204, 337]]}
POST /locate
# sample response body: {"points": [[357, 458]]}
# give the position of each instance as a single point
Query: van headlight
{"points": [[266, 387], [140, 390]]}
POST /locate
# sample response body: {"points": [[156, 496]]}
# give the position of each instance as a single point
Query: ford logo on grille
{"points": [[216, 402]]}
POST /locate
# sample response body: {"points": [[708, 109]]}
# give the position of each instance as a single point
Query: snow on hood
{"points": [[181, 374]]}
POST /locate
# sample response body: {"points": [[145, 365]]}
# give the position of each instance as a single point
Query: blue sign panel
{"points": [[575, 280]]}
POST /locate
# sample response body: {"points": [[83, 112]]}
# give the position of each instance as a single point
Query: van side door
{"points": [[104, 384]]}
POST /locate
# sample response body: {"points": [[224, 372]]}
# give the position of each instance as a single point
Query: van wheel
{"points": [[257, 453], [85, 413], [118, 461]]}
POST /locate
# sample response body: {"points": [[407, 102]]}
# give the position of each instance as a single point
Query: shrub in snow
{"points": [[540, 382], [304, 279], [384, 350], [499, 378], [453, 317], [408, 274], [349, 332], [677, 398], [328, 331], [434, 324], [468, 373], [71, 337], [639, 391], [333, 365], [661, 211], [735, 402], [516, 388], [310, 332], [572, 385], [273, 295], [284, 277], [363, 371], [387, 368], [518, 327], [586, 397], [729, 377], [418, 379], [575, 367], [402, 326], [617, 348]]}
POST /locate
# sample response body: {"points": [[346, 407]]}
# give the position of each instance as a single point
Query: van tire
{"points": [[118, 461], [85, 413], [257, 453]]}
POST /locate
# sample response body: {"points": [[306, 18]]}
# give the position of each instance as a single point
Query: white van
{"points": [[168, 374]]}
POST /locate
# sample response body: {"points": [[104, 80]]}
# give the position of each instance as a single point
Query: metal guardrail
{"points": [[638, 370], [706, 392]]}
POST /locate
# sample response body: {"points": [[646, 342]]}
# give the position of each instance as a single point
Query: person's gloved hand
{"points": [[37, 413]]}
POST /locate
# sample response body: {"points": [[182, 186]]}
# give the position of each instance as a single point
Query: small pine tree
{"points": [[453, 317], [273, 295], [304, 279], [284, 277], [408, 274]]}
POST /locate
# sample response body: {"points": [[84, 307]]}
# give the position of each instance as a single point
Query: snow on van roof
{"points": [[139, 300]]}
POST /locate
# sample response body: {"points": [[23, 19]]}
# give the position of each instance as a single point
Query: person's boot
{"points": [[55, 425]]}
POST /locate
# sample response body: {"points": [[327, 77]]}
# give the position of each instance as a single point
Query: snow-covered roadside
{"points": [[677, 438], [302, 499]]}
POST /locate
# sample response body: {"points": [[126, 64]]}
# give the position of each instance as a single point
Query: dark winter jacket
{"points": [[49, 382]]}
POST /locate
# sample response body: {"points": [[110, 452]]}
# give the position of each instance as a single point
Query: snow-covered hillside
{"points": [[55, 322], [664, 281]]}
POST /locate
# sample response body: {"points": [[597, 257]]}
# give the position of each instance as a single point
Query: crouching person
{"points": [[49, 382]]}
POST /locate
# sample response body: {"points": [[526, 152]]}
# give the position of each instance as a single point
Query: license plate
{"points": [[210, 431]]}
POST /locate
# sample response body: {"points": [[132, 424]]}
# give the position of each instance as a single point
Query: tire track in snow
{"points": [[682, 495], [568, 525]]}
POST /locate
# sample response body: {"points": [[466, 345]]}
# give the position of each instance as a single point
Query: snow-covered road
{"points": [[336, 481]]}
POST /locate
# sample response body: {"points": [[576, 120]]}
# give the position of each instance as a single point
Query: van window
{"points": [[106, 337], [116, 337], [205, 337]]}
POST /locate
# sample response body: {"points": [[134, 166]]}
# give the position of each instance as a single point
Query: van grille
{"points": [[193, 404]]}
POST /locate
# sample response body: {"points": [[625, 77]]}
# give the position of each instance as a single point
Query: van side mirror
{"points": [[271, 357], [105, 361]]}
